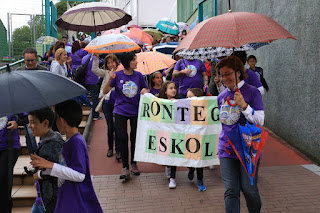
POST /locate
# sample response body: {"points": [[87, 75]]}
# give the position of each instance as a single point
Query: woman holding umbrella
{"points": [[128, 85], [247, 106]]}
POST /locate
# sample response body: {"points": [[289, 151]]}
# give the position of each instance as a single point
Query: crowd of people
{"points": [[64, 177]]}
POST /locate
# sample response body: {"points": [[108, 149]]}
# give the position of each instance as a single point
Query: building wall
{"points": [[147, 13], [3, 41]]}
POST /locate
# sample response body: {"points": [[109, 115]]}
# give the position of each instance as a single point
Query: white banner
{"points": [[182, 132]]}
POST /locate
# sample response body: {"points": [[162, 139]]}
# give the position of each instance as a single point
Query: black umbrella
{"points": [[23, 91]]}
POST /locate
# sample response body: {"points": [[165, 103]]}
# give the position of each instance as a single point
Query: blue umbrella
{"points": [[23, 91], [166, 48], [169, 26]]}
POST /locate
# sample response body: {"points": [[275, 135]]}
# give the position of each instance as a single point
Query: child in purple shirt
{"points": [[252, 61], [76, 193], [128, 85], [155, 83]]}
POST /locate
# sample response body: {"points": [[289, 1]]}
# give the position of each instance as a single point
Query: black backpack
{"points": [[79, 74]]}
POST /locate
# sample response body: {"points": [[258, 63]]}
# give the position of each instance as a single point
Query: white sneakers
{"points": [[172, 184]]}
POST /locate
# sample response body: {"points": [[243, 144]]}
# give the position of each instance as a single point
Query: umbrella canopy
{"points": [[215, 52], [156, 34], [168, 25], [46, 40], [183, 26], [93, 17], [112, 31], [112, 43], [166, 48], [23, 91], [149, 62], [233, 29], [134, 26], [140, 35]]}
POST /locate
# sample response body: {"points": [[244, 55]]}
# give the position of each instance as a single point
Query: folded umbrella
{"points": [[247, 142]]}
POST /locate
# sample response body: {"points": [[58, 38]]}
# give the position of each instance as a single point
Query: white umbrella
{"points": [[93, 17], [112, 43]]}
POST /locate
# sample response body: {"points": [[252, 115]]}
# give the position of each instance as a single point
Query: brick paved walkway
{"points": [[285, 185]]}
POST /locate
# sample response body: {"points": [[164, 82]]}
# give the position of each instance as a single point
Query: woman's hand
{"points": [[144, 90], [40, 162], [238, 98], [112, 74], [12, 125]]}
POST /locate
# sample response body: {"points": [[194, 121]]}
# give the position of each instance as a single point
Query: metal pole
{"points": [[9, 35]]}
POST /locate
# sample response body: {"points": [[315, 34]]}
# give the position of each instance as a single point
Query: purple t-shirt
{"points": [[154, 91], [4, 133], [231, 116], [91, 78], [194, 80], [128, 88], [258, 71], [77, 58], [253, 79], [77, 196]]}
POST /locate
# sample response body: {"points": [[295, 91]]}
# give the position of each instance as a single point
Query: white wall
{"points": [[147, 12]]}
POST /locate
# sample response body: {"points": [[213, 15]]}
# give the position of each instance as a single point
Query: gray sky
{"points": [[21, 7]]}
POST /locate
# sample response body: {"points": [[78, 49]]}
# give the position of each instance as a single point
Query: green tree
{"points": [[21, 39]]}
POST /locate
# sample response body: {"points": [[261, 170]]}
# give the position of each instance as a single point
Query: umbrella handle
{"points": [[228, 99], [29, 172]]}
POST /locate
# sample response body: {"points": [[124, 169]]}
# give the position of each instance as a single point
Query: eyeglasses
{"points": [[226, 75], [29, 60]]}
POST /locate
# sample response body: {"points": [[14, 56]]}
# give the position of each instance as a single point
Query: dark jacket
{"points": [[39, 67], [49, 149]]}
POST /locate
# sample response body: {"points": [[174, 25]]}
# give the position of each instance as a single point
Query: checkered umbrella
{"points": [[233, 29], [215, 52]]}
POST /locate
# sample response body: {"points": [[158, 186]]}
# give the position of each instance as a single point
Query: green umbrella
{"points": [[46, 40], [156, 34]]}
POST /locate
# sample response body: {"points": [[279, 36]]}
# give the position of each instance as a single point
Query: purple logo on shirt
{"points": [[229, 115], [3, 122], [129, 89]]}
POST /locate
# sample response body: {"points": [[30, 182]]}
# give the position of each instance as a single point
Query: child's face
{"points": [[190, 94], [252, 63], [37, 128], [157, 79], [134, 63], [171, 91]]}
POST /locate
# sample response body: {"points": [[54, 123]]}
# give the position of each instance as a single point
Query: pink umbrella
{"points": [[112, 31], [139, 36], [134, 26]]}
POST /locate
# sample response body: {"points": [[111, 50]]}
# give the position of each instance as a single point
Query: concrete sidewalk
{"points": [[285, 185]]}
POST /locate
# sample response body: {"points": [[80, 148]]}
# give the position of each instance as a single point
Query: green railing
{"points": [[11, 65]]}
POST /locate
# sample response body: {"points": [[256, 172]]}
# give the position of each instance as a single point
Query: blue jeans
{"points": [[108, 114], [94, 91], [37, 208], [235, 178]]}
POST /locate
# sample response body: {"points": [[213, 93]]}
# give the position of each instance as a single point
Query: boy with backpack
{"points": [[76, 193]]}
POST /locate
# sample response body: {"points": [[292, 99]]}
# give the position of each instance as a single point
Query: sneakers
{"points": [[172, 184], [110, 153], [168, 171], [125, 174], [118, 156], [201, 187], [134, 169], [191, 174], [98, 118]]}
